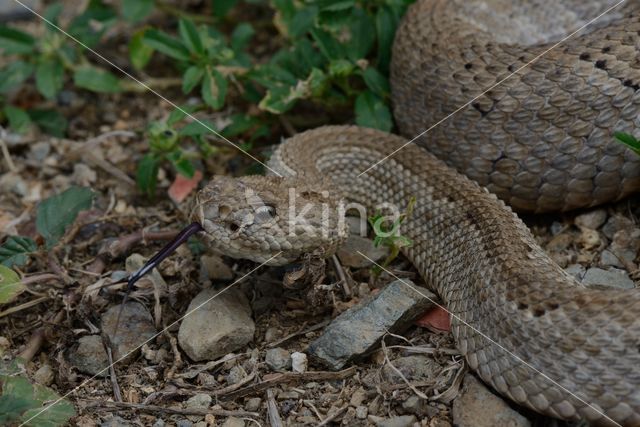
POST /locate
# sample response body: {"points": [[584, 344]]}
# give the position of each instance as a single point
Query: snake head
{"points": [[270, 219]]}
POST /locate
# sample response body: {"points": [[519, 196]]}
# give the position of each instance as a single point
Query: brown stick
{"points": [[114, 406]]}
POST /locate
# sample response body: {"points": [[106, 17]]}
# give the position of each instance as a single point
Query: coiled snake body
{"points": [[540, 141]]}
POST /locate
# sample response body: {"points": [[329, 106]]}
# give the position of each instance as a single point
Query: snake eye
{"points": [[265, 213]]}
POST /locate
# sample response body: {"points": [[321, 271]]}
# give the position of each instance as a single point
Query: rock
{"points": [[611, 278], [349, 256], [12, 10], [233, 422], [556, 227], [278, 359], [89, 356], [476, 406], [39, 151], [414, 368], [199, 401], [299, 362], [361, 412], [415, 405], [359, 329], [559, 242], [44, 375], [221, 325], [623, 249], [83, 175], [358, 397], [134, 329], [577, 271], [615, 224], [401, 421], [184, 423], [215, 269], [253, 404], [591, 220], [4, 345], [271, 334]]}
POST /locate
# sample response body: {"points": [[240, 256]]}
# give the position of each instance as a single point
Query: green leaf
{"points": [[10, 286], [166, 44], [14, 41], [139, 52], [201, 127], [190, 36], [136, 10], [15, 251], [329, 46], [56, 213], [371, 111], [50, 121], [51, 14], [147, 175], [240, 123], [341, 68], [96, 80], [335, 5], [221, 7], [628, 140], [362, 36], [19, 120], [89, 26], [191, 78], [214, 88], [49, 77], [386, 24], [12, 76], [182, 164], [180, 113], [376, 82], [280, 99], [241, 36], [23, 403], [318, 82], [302, 21]]}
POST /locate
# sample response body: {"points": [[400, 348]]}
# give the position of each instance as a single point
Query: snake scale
{"points": [[540, 141]]}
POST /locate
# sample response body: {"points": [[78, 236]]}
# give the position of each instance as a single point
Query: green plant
{"points": [[628, 140], [48, 59], [389, 235]]}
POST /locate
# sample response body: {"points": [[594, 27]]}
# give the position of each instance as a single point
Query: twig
{"points": [[112, 373], [177, 359], [333, 416], [36, 278], [22, 306], [300, 332], [7, 156], [114, 406], [287, 377], [272, 410], [36, 340], [343, 278], [400, 374]]}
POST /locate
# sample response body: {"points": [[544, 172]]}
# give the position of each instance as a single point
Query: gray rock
{"points": [[115, 421], [359, 329], [11, 10], [611, 278], [133, 330], [615, 224], [577, 271], [278, 359], [253, 404], [361, 412], [159, 423], [591, 220], [184, 423], [89, 356], [401, 421], [299, 362], [233, 422], [623, 249], [415, 405], [349, 256], [199, 401], [476, 406], [44, 375], [221, 325]]}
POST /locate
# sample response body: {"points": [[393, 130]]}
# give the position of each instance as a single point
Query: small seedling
{"points": [[628, 140]]}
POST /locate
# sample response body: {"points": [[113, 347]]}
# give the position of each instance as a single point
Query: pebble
{"points": [[271, 334], [233, 422], [199, 401], [278, 359], [611, 278], [615, 224], [39, 151], [4, 345], [577, 271], [83, 175], [44, 375], [361, 412], [415, 405], [349, 256], [623, 249], [253, 404], [135, 327], [215, 269], [401, 421], [476, 406], [89, 356], [184, 423], [220, 326], [299, 362], [358, 397], [115, 421], [414, 368], [591, 220], [359, 330]]}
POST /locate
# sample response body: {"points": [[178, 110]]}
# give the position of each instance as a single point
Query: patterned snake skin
{"points": [[541, 141]]}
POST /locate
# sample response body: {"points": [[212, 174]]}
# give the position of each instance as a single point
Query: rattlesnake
{"points": [[540, 141]]}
